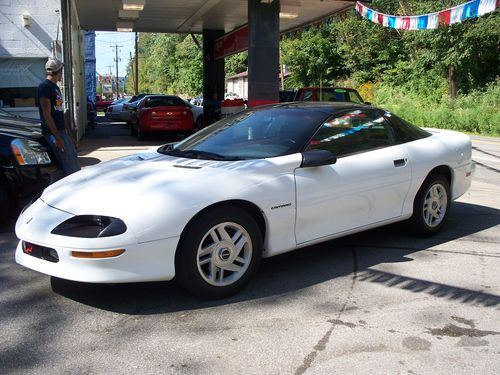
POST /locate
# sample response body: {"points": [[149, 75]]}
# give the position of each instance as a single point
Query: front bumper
{"points": [[152, 261], [144, 261]]}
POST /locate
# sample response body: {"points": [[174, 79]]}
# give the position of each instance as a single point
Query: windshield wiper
{"points": [[198, 154]]}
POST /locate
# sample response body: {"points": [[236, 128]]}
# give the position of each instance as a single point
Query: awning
{"points": [[21, 72]]}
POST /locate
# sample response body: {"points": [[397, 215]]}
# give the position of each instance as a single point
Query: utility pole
{"points": [[136, 82], [132, 70], [116, 63], [110, 77]]}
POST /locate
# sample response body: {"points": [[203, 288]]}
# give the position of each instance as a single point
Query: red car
{"points": [[101, 103], [161, 113]]}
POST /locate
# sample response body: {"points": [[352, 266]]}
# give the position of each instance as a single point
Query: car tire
{"points": [[139, 132], [218, 253], [431, 206]]}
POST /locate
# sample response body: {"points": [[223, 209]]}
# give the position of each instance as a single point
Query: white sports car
{"points": [[260, 183]]}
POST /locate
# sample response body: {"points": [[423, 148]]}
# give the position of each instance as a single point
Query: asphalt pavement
{"points": [[380, 302]]}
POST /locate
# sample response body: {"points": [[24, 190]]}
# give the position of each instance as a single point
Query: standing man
{"points": [[55, 128]]}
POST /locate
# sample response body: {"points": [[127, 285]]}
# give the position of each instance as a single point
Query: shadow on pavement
{"points": [[298, 270]]}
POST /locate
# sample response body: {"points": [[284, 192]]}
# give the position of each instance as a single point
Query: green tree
{"points": [[236, 63], [313, 57]]}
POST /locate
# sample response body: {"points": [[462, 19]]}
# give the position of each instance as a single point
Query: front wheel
{"points": [[431, 206], [219, 253]]}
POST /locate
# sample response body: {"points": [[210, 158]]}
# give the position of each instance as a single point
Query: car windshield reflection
{"points": [[252, 134]]}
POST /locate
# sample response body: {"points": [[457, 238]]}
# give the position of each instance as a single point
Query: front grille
{"points": [[41, 252]]}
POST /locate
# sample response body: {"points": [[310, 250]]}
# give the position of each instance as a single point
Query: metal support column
{"points": [[213, 78], [263, 52], [68, 60]]}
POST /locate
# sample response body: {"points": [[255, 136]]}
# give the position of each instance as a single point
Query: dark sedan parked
{"points": [[26, 166]]}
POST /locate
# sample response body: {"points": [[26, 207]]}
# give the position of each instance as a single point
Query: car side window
{"points": [[404, 131], [352, 132]]}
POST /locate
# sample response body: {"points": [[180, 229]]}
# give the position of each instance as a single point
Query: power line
{"points": [[116, 41]]}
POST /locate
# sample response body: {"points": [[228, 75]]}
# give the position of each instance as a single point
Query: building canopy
{"points": [[193, 16]]}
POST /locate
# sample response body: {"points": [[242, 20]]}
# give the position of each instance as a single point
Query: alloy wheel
{"points": [[224, 254]]}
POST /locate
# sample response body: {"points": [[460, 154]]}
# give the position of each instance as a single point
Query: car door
{"points": [[368, 184]]}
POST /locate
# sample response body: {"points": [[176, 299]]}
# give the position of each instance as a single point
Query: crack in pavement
{"points": [[321, 345]]}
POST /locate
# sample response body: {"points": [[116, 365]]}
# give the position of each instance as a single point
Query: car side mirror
{"points": [[317, 158]]}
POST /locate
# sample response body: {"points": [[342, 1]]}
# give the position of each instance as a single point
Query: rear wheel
{"points": [[139, 132], [219, 253], [431, 206]]}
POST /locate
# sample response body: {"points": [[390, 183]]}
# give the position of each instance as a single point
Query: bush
{"points": [[477, 112]]}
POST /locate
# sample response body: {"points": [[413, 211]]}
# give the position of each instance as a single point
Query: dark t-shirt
{"points": [[50, 90]]}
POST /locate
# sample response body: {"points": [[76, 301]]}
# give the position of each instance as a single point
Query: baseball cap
{"points": [[53, 65]]}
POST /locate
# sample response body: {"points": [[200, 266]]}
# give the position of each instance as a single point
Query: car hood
{"points": [[16, 128], [144, 189]]}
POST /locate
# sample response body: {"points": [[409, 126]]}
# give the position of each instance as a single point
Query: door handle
{"points": [[400, 162]]}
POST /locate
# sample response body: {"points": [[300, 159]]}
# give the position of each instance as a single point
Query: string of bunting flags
{"points": [[459, 13]]}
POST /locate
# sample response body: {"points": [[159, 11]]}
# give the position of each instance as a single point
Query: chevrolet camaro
{"points": [[262, 182]]}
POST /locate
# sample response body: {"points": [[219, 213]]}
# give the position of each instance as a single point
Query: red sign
{"points": [[234, 42]]}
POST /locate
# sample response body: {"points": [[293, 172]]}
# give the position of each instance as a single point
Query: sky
{"points": [[105, 42]]}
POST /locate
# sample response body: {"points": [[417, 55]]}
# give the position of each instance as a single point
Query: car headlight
{"points": [[91, 226], [29, 152]]}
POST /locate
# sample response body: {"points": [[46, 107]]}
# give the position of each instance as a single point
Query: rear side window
{"points": [[353, 132], [404, 131]]}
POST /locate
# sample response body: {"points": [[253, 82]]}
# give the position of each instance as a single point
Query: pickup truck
{"points": [[328, 94], [101, 104]]}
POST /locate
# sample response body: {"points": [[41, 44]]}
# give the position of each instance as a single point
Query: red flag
{"points": [[444, 17], [381, 18], [405, 23]]}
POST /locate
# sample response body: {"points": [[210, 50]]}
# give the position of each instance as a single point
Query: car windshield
{"points": [[251, 134], [339, 95]]}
